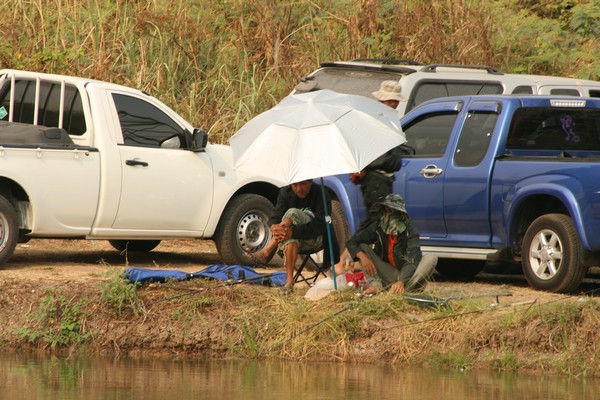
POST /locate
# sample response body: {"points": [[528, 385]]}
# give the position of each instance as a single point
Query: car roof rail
{"points": [[366, 66], [490, 70], [393, 61]]}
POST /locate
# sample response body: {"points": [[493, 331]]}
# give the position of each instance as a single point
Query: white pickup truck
{"points": [[85, 159]]}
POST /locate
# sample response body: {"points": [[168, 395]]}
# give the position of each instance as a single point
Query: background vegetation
{"points": [[219, 63]]}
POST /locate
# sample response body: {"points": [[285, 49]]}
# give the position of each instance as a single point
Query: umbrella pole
{"points": [[329, 238]]}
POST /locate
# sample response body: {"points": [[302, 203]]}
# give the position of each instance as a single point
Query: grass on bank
{"points": [[251, 321]]}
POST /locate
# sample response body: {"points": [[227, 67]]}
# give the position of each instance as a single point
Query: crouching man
{"points": [[395, 261]]}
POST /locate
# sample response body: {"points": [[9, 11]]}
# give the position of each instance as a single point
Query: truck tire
{"points": [[9, 232], [552, 254], [243, 228], [142, 246]]}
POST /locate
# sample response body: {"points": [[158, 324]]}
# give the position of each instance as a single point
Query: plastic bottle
{"points": [[348, 264]]}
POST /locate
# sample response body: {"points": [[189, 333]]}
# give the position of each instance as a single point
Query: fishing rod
{"points": [[229, 282], [437, 301], [330, 316], [327, 318], [432, 301], [497, 295]]}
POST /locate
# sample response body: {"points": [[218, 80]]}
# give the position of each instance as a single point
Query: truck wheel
{"points": [[243, 228], [459, 269], [553, 255], [9, 232], [340, 223], [142, 246]]}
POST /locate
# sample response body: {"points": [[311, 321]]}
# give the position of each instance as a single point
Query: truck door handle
{"points": [[136, 162], [431, 171]]}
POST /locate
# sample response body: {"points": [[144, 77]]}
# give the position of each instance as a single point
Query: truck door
{"points": [[467, 177], [165, 187], [421, 178]]}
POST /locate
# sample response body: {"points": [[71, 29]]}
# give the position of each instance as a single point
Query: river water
{"points": [[42, 377]]}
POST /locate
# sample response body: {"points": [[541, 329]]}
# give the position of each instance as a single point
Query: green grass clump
{"points": [[120, 293], [57, 321]]}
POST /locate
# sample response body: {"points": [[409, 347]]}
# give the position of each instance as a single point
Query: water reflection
{"points": [[34, 377]]}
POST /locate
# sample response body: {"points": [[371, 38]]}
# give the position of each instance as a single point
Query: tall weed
{"points": [[120, 293], [220, 63]]}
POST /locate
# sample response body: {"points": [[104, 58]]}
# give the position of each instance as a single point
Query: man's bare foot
{"points": [[288, 288], [257, 258], [371, 290]]}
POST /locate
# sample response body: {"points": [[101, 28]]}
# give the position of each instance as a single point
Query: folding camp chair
{"points": [[317, 268]]}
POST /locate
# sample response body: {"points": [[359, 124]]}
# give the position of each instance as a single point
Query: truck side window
{"points": [[429, 135], [565, 92], [435, 89], [145, 125], [475, 138], [522, 90], [48, 105], [564, 129]]}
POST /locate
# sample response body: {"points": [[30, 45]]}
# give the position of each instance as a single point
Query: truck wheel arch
{"points": [[524, 210], [243, 228]]}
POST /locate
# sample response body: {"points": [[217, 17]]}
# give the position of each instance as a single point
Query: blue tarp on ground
{"points": [[220, 272]]}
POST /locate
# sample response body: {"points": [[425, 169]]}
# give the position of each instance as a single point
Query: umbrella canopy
{"points": [[316, 134]]}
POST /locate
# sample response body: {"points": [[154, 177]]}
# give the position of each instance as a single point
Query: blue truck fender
{"points": [[516, 199]]}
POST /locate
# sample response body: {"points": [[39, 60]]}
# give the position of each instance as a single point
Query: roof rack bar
{"points": [[369, 67], [389, 61], [490, 70]]}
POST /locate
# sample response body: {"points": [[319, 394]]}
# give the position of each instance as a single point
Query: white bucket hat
{"points": [[389, 90]]}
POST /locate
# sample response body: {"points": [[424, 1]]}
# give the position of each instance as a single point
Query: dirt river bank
{"points": [[67, 296]]}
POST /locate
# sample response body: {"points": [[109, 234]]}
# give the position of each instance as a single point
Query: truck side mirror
{"points": [[199, 140]]}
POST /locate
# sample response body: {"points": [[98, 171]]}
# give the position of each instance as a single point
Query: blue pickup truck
{"points": [[503, 178]]}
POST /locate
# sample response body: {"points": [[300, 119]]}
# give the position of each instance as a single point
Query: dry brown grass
{"points": [[219, 64]]}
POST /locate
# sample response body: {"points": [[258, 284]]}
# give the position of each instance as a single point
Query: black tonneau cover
{"points": [[13, 133]]}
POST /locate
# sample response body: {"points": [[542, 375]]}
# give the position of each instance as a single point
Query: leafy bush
{"points": [[57, 321]]}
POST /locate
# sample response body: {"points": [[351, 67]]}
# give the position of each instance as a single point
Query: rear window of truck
{"points": [[73, 120]]}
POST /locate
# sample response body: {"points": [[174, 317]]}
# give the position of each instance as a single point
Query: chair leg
{"points": [[309, 280]]}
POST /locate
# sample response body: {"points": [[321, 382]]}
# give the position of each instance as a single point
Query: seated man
{"points": [[393, 260], [297, 225]]}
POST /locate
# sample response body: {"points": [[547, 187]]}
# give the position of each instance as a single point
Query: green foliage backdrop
{"points": [[219, 63]]}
